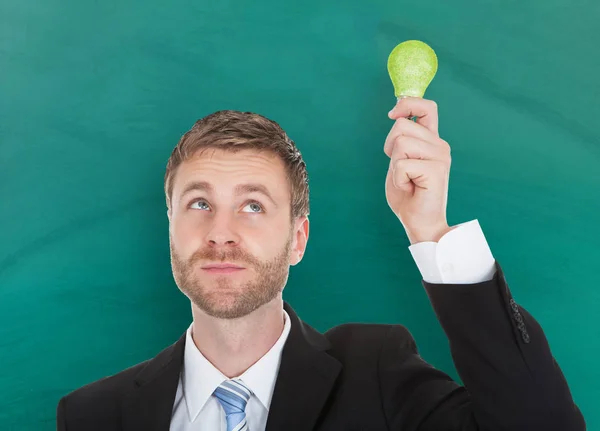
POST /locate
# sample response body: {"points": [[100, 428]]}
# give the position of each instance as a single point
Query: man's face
{"points": [[212, 221]]}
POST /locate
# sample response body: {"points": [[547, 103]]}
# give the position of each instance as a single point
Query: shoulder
{"points": [[372, 337], [101, 399], [95, 406], [109, 386]]}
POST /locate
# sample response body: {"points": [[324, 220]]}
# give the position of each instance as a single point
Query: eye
{"points": [[255, 206], [200, 201]]}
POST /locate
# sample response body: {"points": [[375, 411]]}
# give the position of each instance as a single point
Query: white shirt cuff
{"points": [[462, 256]]}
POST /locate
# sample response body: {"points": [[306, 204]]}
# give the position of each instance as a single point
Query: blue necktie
{"points": [[233, 396]]}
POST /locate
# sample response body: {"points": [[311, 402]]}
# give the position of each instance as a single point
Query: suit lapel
{"points": [[304, 382], [305, 379], [149, 407]]}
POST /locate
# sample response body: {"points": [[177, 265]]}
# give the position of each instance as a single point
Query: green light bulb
{"points": [[412, 66]]}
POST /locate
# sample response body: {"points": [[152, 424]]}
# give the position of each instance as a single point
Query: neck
{"points": [[234, 345]]}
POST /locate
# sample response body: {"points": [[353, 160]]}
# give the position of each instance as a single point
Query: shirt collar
{"points": [[200, 378]]}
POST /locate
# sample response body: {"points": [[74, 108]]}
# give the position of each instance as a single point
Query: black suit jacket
{"points": [[370, 376]]}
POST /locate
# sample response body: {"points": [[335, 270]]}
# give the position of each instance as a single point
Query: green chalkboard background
{"points": [[95, 94]]}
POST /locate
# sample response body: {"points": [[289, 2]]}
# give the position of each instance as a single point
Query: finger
{"points": [[425, 110], [422, 173], [408, 147], [406, 127]]}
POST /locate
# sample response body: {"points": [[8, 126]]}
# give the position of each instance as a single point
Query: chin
{"points": [[224, 304]]}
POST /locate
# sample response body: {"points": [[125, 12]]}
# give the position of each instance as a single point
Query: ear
{"points": [[300, 239], [169, 210]]}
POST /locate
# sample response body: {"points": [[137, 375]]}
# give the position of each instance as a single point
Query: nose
{"points": [[222, 231]]}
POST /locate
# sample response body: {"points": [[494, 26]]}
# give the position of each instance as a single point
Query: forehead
{"points": [[226, 169]]}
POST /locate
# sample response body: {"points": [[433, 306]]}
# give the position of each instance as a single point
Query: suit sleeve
{"points": [[511, 380]]}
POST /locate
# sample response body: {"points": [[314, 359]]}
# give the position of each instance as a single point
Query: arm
{"points": [[511, 380]]}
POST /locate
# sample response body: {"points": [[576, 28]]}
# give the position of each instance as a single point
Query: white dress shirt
{"points": [[196, 409], [461, 256]]}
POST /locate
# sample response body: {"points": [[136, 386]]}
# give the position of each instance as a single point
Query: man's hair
{"points": [[234, 131]]}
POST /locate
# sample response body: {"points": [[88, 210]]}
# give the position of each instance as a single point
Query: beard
{"points": [[218, 296]]}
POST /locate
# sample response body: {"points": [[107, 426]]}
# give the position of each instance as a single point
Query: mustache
{"points": [[235, 255]]}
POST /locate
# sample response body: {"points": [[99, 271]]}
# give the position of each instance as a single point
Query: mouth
{"points": [[222, 268]]}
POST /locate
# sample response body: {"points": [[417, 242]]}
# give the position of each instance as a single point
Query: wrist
{"points": [[429, 235]]}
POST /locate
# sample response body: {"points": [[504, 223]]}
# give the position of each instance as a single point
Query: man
{"points": [[237, 202]]}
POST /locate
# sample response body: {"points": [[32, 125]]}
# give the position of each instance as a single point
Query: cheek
{"points": [[264, 247], [186, 237]]}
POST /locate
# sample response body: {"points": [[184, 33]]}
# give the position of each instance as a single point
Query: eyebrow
{"points": [[240, 189]]}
